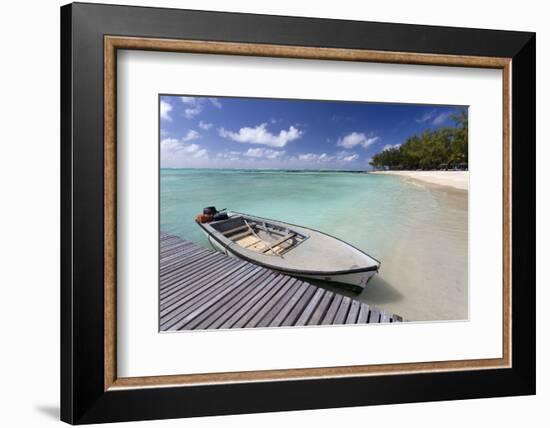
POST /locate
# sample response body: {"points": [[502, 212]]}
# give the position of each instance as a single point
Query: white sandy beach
{"points": [[456, 179]]}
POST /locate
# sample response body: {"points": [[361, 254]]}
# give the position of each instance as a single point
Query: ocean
{"points": [[419, 232]]}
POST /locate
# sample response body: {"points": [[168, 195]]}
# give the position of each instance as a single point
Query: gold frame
{"points": [[113, 43]]}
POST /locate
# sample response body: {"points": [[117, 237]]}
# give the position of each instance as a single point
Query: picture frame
{"points": [[91, 391]]}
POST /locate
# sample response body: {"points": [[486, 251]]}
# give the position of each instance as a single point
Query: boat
{"points": [[287, 248]]}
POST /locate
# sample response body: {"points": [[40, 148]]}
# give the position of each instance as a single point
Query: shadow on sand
{"points": [[377, 292]]}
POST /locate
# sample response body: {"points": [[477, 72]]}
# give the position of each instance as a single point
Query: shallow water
{"points": [[418, 232]]}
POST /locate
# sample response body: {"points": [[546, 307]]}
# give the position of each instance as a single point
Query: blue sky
{"points": [[207, 132]]}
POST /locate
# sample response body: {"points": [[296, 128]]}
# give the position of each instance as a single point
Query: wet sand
{"points": [[426, 276], [424, 273]]}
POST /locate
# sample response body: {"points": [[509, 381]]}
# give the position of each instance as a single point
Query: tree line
{"points": [[445, 147]]}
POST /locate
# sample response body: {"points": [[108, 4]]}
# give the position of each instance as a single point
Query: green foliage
{"points": [[432, 149]]}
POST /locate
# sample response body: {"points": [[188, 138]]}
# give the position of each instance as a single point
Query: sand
{"points": [[455, 179]]}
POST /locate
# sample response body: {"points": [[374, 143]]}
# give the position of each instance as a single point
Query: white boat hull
{"points": [[355, 279]]}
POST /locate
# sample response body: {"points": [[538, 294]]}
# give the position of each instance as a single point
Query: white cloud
{"points": [[173, 146], [350, 158], [339, 157], [170, 144], [356, 139], [205, 125], [215, 102], [191, 135], [199, 154], [232, 156], [196, 105], [345, 156], [165, 109], [191, 112], [264, 153], [260, 135], [440, 118], [435, 119], [314, 157], [426, 117], [390, 146]]}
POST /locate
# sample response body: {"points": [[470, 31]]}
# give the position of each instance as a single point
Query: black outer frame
{"points": [[83, 399]]}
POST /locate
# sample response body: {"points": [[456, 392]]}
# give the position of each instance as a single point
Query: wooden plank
{"points": [[194, 311], [285, 310], [220, 304], [243, 321], [321, 308], [300, 306], [166, 240], [342, 311], [280, 241], [195, 273], [166, 255], [185, 286], [191, 289], [235, 229], [257, 311], [266, 287], [167, 248], [331, 312], [186, 269], [308, 311], [226, 309], [374, 316], [196, 294], [363, 316], [353, 312], [193, 262], [199, 269], [384, 316], [292, 288], [166, 269], [242, 235], [173, 311], [187, 256], [166, 263], [166, 260], [264, 316]]}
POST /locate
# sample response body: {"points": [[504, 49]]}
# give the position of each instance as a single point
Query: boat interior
{"points": [[259, 236]]}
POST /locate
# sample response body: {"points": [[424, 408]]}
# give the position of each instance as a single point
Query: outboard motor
{"points": [[210, 211], [207, 215], [211, 214]]}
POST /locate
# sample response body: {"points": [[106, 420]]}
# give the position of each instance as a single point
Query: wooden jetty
{"points": [[205, 289]]}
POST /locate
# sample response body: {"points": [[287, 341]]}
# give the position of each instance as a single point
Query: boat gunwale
{"points": [[230, 247]]}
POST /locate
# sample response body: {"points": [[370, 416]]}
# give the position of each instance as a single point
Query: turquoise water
{"points": [[419, 233]]}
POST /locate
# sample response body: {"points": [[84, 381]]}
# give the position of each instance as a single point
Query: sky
{"points": [[208, 132]]}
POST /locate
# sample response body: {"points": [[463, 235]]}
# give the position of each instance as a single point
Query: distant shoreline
{"points": [[455, 179]]}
